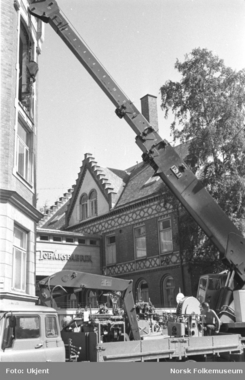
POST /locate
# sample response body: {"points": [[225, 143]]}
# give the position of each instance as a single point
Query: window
{"points": [[91, 299], [166, 239], [51, 329], [57, 238], [25, 56], [88, 205], [83, 207], [24, 153], [81, 241], [142, 291], [69, 240], [44, 237], [27, 327], [19, 259], [169, 292], [110, 250], [93, 203], [140, 241], [8, 334]]}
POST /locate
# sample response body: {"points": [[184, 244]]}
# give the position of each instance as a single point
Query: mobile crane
{"points": [[162, 157]]}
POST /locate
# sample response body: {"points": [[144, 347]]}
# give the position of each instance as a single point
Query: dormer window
{"points": [[93, 203], [84, 207]]}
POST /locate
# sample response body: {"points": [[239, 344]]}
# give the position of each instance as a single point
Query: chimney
{"points": [[149, 110]]}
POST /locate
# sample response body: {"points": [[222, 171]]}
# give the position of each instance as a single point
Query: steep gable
{"points": [[115, 189], [55, 216], [107, 183]]}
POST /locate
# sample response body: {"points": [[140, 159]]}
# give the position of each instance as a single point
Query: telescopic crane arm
{"points": [[157, 152], [74, 281]]}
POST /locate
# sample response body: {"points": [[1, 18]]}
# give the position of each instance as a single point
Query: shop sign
{"points": [[54, 255]]}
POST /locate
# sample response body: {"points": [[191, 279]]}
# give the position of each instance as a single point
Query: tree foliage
{"points": [[208, 105]]}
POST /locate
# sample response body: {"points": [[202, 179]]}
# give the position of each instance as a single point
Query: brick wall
{"points": [[155, 278], [149, 110]]}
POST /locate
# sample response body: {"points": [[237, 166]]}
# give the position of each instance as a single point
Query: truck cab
{"points": [[30, 333]]}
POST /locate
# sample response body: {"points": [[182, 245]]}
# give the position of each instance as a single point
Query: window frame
{"points": [[139, 293], [25, 168], [160, 231], [26, 54], [92, 204], [135, 242], [166, 289], [93, 298], [56, 334], [114, 244], [83, 215], [23, 260], [29, 316]]}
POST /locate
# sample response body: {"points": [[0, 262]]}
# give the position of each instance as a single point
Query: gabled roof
{"points": [[141, 183], [109, 181], [119, 187], [55, 215]]}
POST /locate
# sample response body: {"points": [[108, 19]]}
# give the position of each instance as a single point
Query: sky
{"points": [[138, 42]]}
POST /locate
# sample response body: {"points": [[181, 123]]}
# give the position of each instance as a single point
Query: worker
{"points": [[86, 314], [66, 320], [211, 320]]}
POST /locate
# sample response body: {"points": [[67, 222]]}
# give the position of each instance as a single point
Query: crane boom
{"points": [[73, 281], [156, 151]]}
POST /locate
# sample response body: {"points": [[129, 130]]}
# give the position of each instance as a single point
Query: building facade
{"points": [[138, 228], [21, 42]]}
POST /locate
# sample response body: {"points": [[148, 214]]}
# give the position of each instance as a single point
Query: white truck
{"points": [[30, 333]]}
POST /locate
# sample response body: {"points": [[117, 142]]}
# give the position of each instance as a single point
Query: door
{"points": [[24, 343], [55, 350]]}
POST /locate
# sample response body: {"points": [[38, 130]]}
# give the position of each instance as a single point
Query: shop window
{"points": [[93, 203], [169, 292], [142, 291], [166, 238], [140, 242], [19, 259], [110, 249], [24, 154], [84, 207], [25, 56]]}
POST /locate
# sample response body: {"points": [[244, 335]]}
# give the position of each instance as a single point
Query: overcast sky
{"points": [[138, 42]]}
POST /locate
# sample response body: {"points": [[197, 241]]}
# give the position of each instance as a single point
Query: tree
{"points": [[208, 105], [43, 209]]}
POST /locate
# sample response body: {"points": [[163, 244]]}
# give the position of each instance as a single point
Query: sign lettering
{"points": [[106, 282], [54, 255]]}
